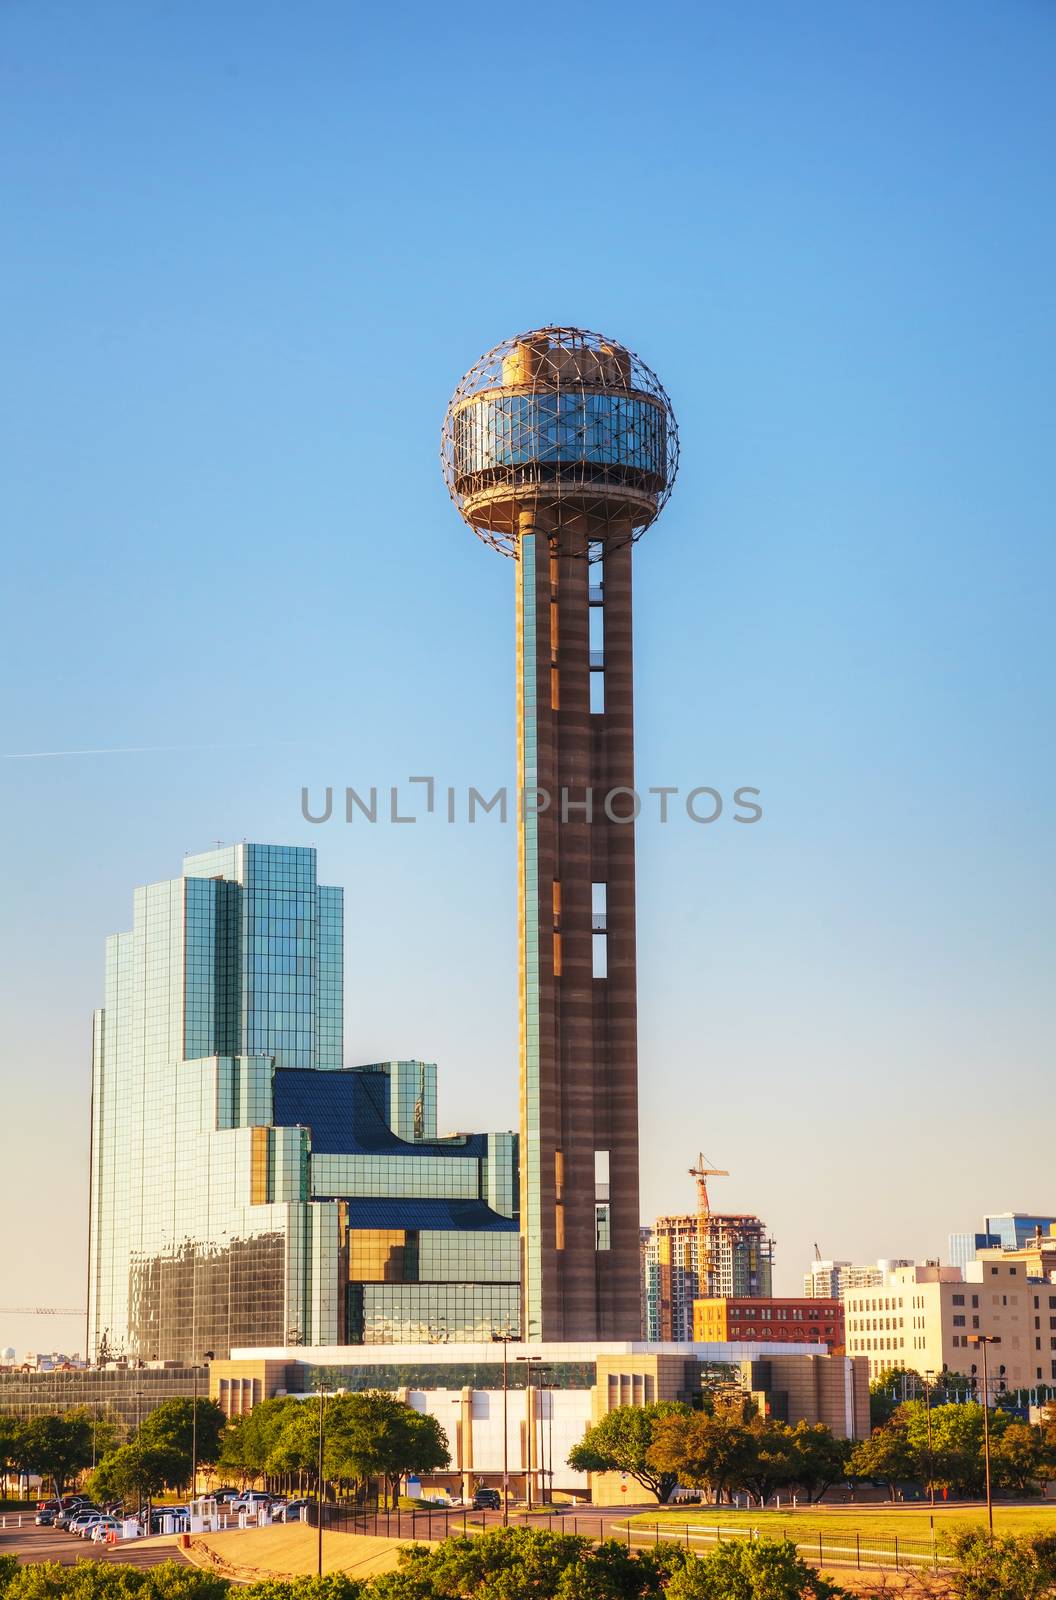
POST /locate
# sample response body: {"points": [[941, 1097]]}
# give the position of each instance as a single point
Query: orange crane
{"points": [[705, 1267]]}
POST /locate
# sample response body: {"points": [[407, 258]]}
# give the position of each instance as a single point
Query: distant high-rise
{"points": [[1006, 1230], [831, 1280], [245, 1190], [560, 449]]}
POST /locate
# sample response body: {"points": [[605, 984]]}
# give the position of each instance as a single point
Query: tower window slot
{"points": [[597, 694], [599, 949], [598, 907]]}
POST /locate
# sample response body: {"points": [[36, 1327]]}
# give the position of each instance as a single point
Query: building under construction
{"points": [[708, 1255], [731, 1256]]}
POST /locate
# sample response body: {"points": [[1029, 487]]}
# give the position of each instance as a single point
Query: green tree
{"points": [[772, 1461], [820, 1459], [501, 1564], [1002, 1568], [889, 1389], [885, 1457], [58, 1447], [374, 1435], [621, 1442], [1019, 1459], [708, 1450], [11, 1444], [171, 1426], [103, 1580], [138, 1472], [751, 1569], [331, 1586], [249, 1442]]}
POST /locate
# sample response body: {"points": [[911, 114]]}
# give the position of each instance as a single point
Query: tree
{"points": [[11, 1445], [820, 1459], [536, 1564], [771, 1458], [500, 1564], [58, 1447], [711, 1451], [885, 1457], [249, 1443], [621, 1442], [171, 1426], [374, 1435], [1019, 1458], [1001, 1569], [751, 1569], [889, 1389], [138, 1471]]}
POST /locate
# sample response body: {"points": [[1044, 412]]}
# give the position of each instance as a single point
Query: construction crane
{"points": [[705, 1266], [42, 1311]]}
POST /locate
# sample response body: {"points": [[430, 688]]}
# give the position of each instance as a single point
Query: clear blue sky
{"points": [[247, 251]]}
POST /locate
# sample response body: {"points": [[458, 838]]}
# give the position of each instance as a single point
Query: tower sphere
{"points": [[567, 427]]}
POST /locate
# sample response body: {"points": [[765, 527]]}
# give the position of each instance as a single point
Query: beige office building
{"points": [[922, 1318]]}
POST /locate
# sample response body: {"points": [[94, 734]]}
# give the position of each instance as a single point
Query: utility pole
{"points": [[504, 1339], [319, 1487], [530, 1429], [984, 1339]]}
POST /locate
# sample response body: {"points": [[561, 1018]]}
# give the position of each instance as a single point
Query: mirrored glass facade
{"points": [[245, 1186]]}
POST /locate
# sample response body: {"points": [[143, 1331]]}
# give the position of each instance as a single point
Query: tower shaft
{"points": [[578, 997]]}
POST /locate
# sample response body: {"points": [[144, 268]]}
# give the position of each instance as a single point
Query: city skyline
{"points": [[231, 556]]}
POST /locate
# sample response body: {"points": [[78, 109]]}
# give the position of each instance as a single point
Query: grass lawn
{"points": [[910, 1522]]}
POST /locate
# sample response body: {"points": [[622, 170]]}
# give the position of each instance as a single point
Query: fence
{"points": [[853, 1548], [891, 1552]]}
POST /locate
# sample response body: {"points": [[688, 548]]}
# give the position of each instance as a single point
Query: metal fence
{"points": [[854, 1548]]}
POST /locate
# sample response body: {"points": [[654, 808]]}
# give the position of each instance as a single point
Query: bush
{"points": [[331, 1586], [112, 1580], [752, 1569]]}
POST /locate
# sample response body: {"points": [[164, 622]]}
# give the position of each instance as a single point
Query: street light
{"points": [[207, 1356], [931, 1459], [505, 1339], [529, 1362], [546, 1373], [984, 1339], [319, 1486]]}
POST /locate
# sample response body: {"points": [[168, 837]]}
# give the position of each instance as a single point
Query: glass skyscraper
{"points": [[246, 1189]]}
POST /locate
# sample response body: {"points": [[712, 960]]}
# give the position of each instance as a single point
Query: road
{"points": [[31, 1543]]}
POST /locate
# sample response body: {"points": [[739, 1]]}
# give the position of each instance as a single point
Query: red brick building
{"points": [[778, 1321]]}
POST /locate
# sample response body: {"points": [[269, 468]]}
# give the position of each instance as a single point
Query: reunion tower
{"points": [[559, 449]]}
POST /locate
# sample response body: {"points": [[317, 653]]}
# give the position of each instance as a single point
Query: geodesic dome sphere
{"points": [[568, 426]]}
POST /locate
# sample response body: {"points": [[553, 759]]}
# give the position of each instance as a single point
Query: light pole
{"points": [[529, 1363], [984, 1339], [319, 1487], [505, 1339], [931, 1459], [546, 1373], [207, 1356]]}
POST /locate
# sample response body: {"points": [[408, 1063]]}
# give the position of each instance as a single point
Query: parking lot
{"points": [[31, 1543]]}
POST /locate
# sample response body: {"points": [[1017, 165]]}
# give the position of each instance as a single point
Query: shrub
{"points": [[756, 1569]]}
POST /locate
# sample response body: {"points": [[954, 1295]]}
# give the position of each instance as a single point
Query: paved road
{"points": [[50, 1544]]}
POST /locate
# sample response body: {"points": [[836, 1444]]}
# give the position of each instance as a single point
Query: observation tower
{"points": [[559, 449]]}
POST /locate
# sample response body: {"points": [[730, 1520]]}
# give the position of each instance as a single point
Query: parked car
{"points": [[293, 1510], [98, 1530], [487, 1500], [45, 1517], [64, 1518], [82, 1522]]}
